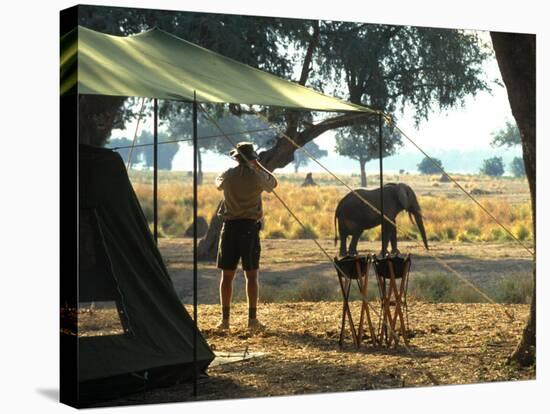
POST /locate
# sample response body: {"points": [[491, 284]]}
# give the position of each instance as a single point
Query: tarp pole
{"points": [[380, 149], [155, 169], [195, 252]]}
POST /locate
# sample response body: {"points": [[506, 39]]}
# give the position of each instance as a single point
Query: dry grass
{"points": [[449, 215]]}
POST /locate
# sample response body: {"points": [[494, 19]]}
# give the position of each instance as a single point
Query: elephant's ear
{"points": [[403, 195]]}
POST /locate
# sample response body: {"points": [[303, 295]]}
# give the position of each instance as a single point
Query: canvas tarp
{"points": [[156, 64]]}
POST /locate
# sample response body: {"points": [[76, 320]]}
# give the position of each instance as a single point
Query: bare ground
{"points": [[451, 344], [287, 263]]}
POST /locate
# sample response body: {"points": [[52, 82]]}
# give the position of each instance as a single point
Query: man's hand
{"points": [[269, 178]]}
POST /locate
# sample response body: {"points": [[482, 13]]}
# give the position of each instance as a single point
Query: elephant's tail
{"points": [[335, 230]]}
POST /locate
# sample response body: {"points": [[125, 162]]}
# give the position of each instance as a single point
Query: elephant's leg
{"points": [[385, 240], [393, 240], [343, 240], [353, 243]]}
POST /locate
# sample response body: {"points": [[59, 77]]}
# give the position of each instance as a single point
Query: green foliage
{"points": [[386, 67], [521, 231], [517, 167], [432, 288], [493, 167], [442, 288], [515, 289], [313, 289], [426, 166], [508, 136], [361, 142]]}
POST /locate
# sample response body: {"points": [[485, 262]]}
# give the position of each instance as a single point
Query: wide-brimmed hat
{"points": [[246, 149]]}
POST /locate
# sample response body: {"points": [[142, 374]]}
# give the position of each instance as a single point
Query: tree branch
{"points": [[282, 153]]}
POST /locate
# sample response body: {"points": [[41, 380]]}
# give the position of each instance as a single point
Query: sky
{"points": [[466, 129]]}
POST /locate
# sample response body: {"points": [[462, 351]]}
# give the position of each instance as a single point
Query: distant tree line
{"points": [[507, 137], [143, 155]]}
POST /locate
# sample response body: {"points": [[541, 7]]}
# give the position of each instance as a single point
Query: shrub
{"points": [[462, 293], [449, 233], [276, 234], [174, 228], [426, 166], [169, 212], [464, 237], [314, 289], [493, 167], [474, 231], [517, 167], [521, 231], [270, 294], [306, 232], [431, 288], [514, 289]]}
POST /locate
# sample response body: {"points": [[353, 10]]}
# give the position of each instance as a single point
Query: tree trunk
{"points": [[282, 153], [516, 57], [207, 250], [362, 163], [199, 173]]}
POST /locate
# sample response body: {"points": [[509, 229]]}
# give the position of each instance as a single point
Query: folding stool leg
{"points": [[347, 312], [362, 290], [398, 313], [386, 326], [365, 311], [392, 316]]}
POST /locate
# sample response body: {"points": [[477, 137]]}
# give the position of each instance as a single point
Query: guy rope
{"points": [[376, 210], [414, 357]]}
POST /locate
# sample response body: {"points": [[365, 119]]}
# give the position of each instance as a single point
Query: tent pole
{"points": [[195, 253], [380, 149], [155, 170]]}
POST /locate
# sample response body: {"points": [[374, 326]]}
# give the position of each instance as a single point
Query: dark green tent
{"points": [[120, 262]]}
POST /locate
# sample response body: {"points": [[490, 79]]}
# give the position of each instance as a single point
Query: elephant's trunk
{"points": [[420, 224]]}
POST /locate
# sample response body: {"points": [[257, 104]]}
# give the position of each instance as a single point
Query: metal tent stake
{"points": [[195, 253], [155, 169], [381, 179]]}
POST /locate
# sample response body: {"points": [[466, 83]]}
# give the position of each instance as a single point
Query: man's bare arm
{"points": [[268, 180], [219, 181]]}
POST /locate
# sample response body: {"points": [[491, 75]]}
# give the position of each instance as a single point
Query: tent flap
{"points": [[156, 64]]}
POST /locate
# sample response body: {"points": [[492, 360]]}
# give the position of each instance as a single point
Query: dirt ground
{"points": [[450, 344]]}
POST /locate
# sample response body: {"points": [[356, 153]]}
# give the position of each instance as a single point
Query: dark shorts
{"points": [[239, 239]]}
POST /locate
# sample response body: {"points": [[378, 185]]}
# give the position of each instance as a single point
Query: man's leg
{"points": [[252, 289], [226, 291]]}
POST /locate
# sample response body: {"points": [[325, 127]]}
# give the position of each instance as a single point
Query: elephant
{"points": [[354, 216]]}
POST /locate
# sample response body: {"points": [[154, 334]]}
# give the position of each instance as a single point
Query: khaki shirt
{"points": [[242, 188]]}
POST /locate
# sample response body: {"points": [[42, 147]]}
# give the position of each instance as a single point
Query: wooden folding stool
{"points": [[348, 269], [392, 274]]}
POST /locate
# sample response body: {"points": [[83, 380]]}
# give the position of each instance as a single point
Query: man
{"points": [[240, 240]]}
